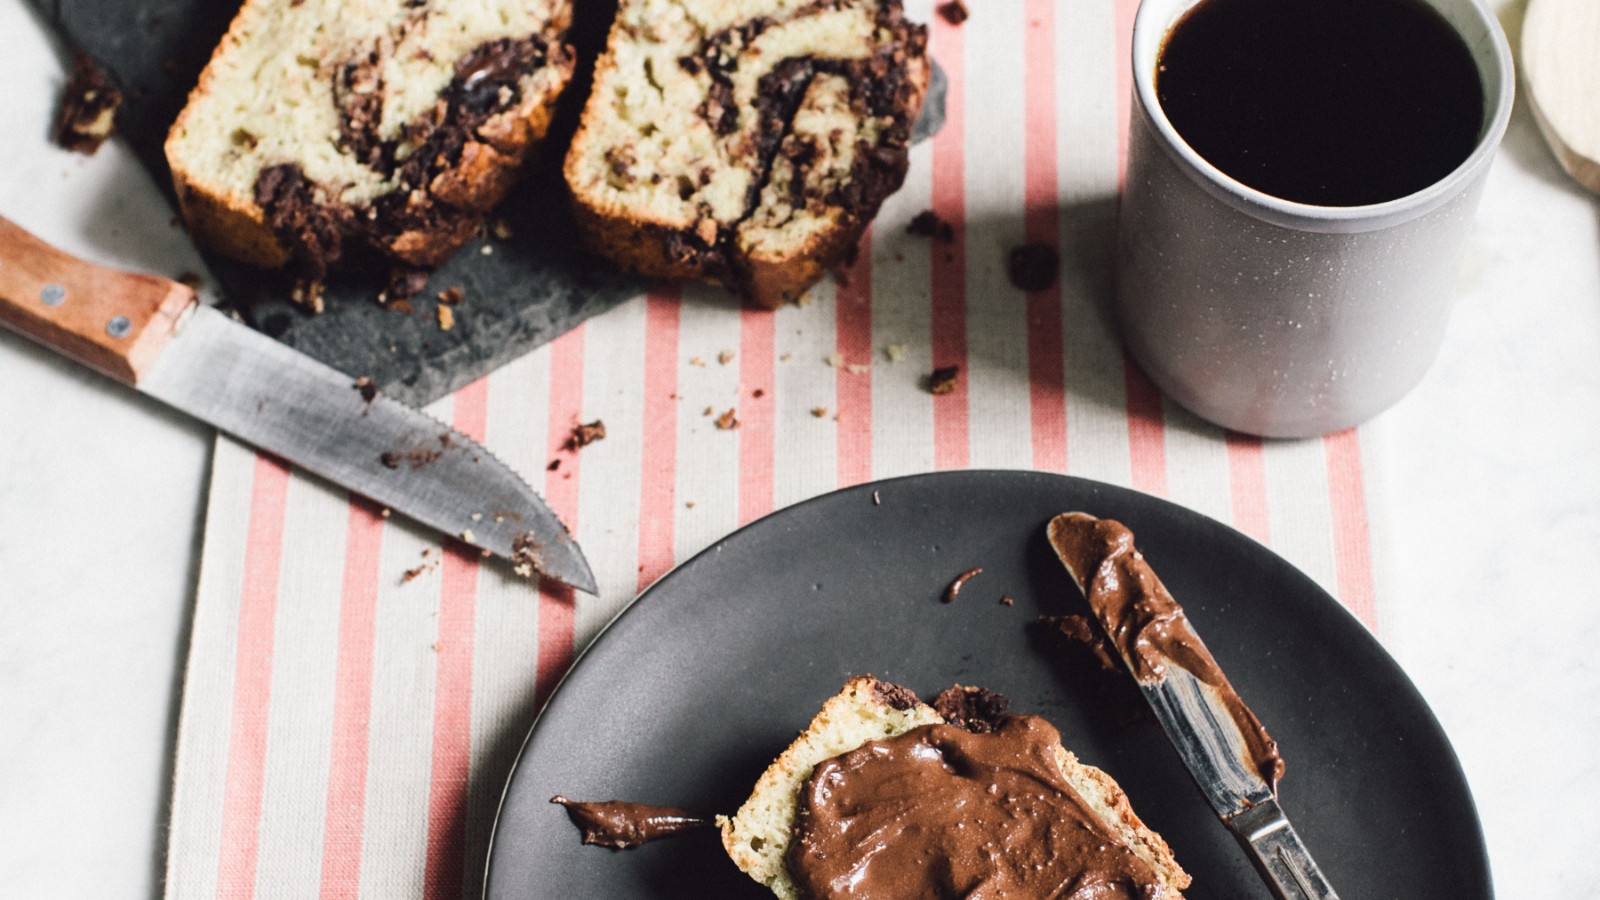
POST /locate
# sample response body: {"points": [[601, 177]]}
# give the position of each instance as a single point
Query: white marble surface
{"points": [[1492, 476]]}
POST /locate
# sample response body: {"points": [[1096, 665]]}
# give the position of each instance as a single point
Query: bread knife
{"points": [[1232, 759], [152, 334]]}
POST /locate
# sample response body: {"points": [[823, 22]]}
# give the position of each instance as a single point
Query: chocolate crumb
{"points": [[368, 389], [1088, 633], [758, 393], [403, 285], [944, 380], [894, 695], [1033, 267], [400, 306], [584, 435], [954, 12], [971, 708], [554, 465], [190, 280], [727, 421], [954, 590], [928, 224], [390, 460], [419, 457], [89, 102], [450, 295]]}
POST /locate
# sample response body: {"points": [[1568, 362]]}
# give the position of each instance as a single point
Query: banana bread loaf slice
{"points": [[390, 124], [748, 142], [882, 734]]}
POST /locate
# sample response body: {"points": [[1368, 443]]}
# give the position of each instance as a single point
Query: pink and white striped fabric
{"points": [[346, 732]]}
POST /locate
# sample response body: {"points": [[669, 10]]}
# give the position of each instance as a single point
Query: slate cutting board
{"points": [[528, 288]]}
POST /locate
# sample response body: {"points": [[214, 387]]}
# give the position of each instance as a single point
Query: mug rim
{"points": [[1154, 20]]}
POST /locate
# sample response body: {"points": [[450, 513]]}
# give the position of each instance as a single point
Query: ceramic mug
{"points": [[1278, 318]]}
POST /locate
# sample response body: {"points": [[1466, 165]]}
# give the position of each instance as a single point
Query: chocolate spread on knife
{"points": [[939, 812], [1145, 625], [621, 825]]}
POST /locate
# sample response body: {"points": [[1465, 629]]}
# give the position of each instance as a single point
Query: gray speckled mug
{"points": [[1278, 318]]}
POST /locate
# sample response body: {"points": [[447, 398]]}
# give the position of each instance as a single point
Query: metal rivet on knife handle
{"points": [[116, 322]]}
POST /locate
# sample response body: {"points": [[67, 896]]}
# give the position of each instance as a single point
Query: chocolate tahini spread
{"points": [[621, 825], [1145, 625], [939, 812]]}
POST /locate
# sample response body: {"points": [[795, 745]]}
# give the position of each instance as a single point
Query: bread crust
{"points": [[459, 195]]}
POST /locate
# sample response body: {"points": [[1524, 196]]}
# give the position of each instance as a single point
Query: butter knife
{"points": [[1233, 760], [153, 335]]}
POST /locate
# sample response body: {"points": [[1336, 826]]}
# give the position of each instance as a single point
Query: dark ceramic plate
{"points": [[710, 673]]}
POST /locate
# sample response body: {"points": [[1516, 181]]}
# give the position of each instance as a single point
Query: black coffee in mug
{"points": [[1327, 102]]}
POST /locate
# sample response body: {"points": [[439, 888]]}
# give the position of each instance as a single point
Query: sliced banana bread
{"points": [[748, 142], [392, 124], [862, 719]]}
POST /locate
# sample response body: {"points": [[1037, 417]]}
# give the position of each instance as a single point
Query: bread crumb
{"points": [[428, 564], [803, 300], [697, 361], [500, 228], [709, 411], [447, 317], [308, 293], [487, 250], [857, 369], [584, 435], [834, 360], [451, 295], [944, 380], [727, 421], [367, 388], [88, 110], [896, 352], [819, 411], [725, 357], [688, 504], [784, 357], [468, 536]]}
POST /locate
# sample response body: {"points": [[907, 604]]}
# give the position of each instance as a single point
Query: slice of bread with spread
{"points": [[860, 723], [747, 142], [391, 124]]}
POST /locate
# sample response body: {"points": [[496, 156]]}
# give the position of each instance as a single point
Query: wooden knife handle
{"points": [[112, 321]]}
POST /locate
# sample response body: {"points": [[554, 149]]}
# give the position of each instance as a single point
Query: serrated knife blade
{"points": [[1233, 760], [152, 334]]}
